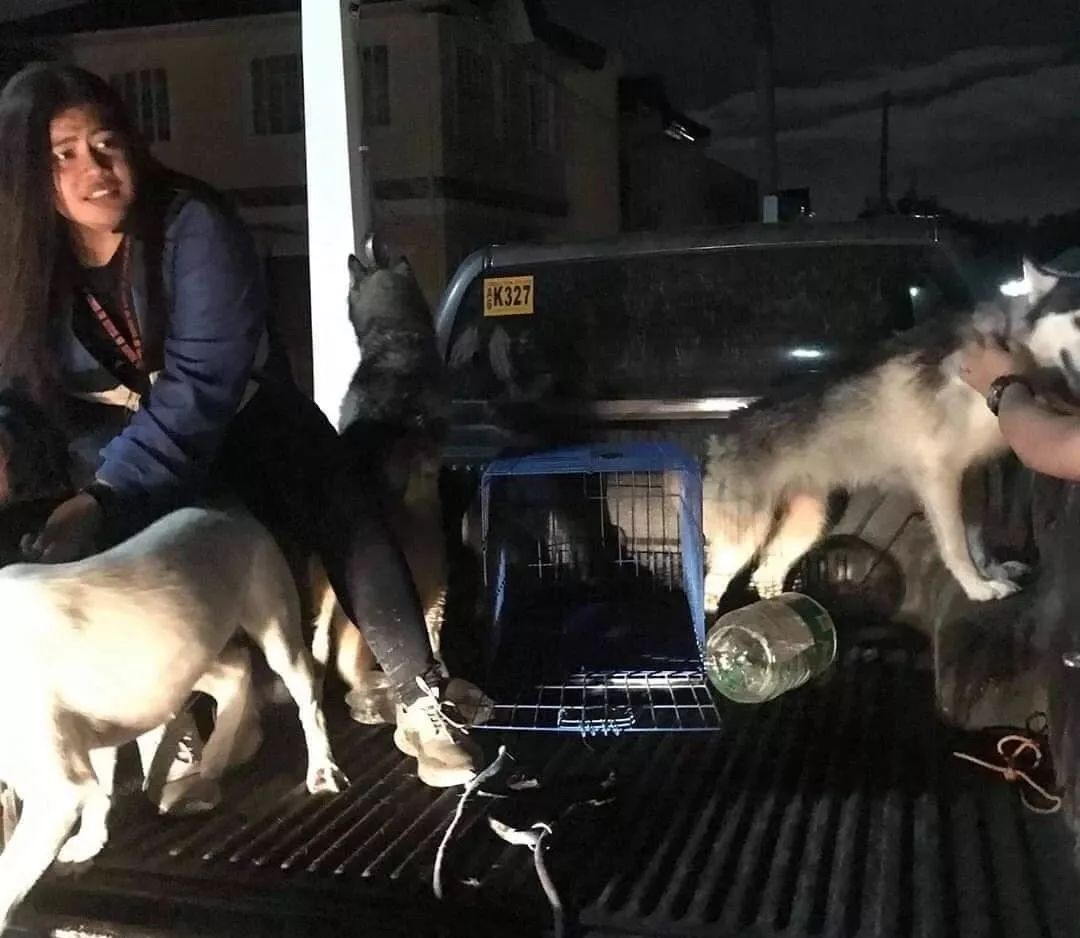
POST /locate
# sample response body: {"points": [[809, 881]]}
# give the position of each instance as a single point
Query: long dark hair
{"points": [[34, 247]]}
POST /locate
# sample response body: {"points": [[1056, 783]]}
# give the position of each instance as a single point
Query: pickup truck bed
{"points": [[836, 811]]}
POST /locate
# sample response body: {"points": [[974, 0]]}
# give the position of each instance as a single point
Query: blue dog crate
{"points": [[593, 578]]}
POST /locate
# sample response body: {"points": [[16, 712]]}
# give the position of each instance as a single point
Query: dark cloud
{"points": [[13, 9], [990, 145], [704, 51], [910, 86]]}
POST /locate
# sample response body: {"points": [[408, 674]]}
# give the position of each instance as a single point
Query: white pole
{"points": [[339, 216]]}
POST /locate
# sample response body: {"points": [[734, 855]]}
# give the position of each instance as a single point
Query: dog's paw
{"points": [[472, 704], [985, 590], [326, 779], [715, 587], [85, 845], [768, 583], [1012, 570], [187, 796]]}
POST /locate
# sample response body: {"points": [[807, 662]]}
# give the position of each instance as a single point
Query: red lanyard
{"points": [[132, 350]]}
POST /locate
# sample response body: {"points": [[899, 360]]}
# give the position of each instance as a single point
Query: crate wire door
{"points": [[593, 576]]}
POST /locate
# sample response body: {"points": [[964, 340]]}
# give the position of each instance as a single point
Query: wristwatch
{"points": [[998, 386]]}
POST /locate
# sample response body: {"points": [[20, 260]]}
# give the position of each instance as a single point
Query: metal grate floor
{"points": [[612, 702], [836, 811]]}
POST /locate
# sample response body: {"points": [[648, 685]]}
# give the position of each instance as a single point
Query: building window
{"points": [[146, 96], [375, 81], [475, 94], [541, 110], [473, 75], [277, 99]]}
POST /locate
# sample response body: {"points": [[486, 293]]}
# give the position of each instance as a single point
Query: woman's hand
{"points": [[70, 533], [983, 363]]}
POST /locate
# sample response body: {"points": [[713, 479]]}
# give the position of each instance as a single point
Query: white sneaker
{"points": [[427, 730], [182, 790], [187, 758]]}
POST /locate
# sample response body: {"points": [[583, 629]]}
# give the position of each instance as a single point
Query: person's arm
{"points": [[1043, 440], [216, 322]]}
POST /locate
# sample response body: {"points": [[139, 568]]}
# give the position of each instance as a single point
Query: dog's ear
{"points": [[1040, 282]]}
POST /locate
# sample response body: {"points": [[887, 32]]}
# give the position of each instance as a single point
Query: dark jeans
{"points": [[289, 466]]}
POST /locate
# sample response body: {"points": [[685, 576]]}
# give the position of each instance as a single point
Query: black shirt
{"points": [[105, 284]]}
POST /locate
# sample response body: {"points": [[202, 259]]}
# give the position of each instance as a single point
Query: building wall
{"points": [[466, 106], [591, 151], [410, 145], [488, 132], [209, 76], [670, 185]]}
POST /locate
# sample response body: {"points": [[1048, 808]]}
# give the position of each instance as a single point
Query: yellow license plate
{"points": [[508, 296]]}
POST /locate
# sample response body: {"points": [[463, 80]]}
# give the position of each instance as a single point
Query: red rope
{"points": [[1010, 748]]}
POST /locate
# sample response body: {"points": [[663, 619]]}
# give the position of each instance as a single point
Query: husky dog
{"points": [[393, 419], [903, 421], [398, 382], [110, 647]]}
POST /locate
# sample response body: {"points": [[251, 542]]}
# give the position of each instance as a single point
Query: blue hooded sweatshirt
{"points": [[200, 304]]}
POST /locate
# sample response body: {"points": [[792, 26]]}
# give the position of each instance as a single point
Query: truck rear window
{"points": [[704, 324]]}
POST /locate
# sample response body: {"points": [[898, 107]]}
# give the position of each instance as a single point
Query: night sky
{"points": [[986, 114]]}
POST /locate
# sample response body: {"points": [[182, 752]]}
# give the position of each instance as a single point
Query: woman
{"points": [[131, 303]]}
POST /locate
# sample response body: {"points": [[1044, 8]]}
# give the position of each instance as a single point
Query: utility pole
{"points": [[883, 167], [768, 166], [339, 209]]}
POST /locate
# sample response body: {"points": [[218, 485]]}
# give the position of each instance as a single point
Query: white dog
{"points": [[104, 650]]}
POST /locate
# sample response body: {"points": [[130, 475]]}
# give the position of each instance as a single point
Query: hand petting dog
{"points": [[70, 533]]}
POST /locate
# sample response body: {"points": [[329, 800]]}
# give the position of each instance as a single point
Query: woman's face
{"points": [[91, 172]]}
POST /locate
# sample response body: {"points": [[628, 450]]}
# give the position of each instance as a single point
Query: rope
{"points": [[545, 879], [1013, 773], [470, 787], [534, 838]]}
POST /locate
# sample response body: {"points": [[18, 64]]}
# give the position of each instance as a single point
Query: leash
{"points": [[1012, 747], [537, 817], [533, 838], [470, 788]]}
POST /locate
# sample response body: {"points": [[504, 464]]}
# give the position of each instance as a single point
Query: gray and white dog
{"points": [[903, 421], [398, 382]]}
